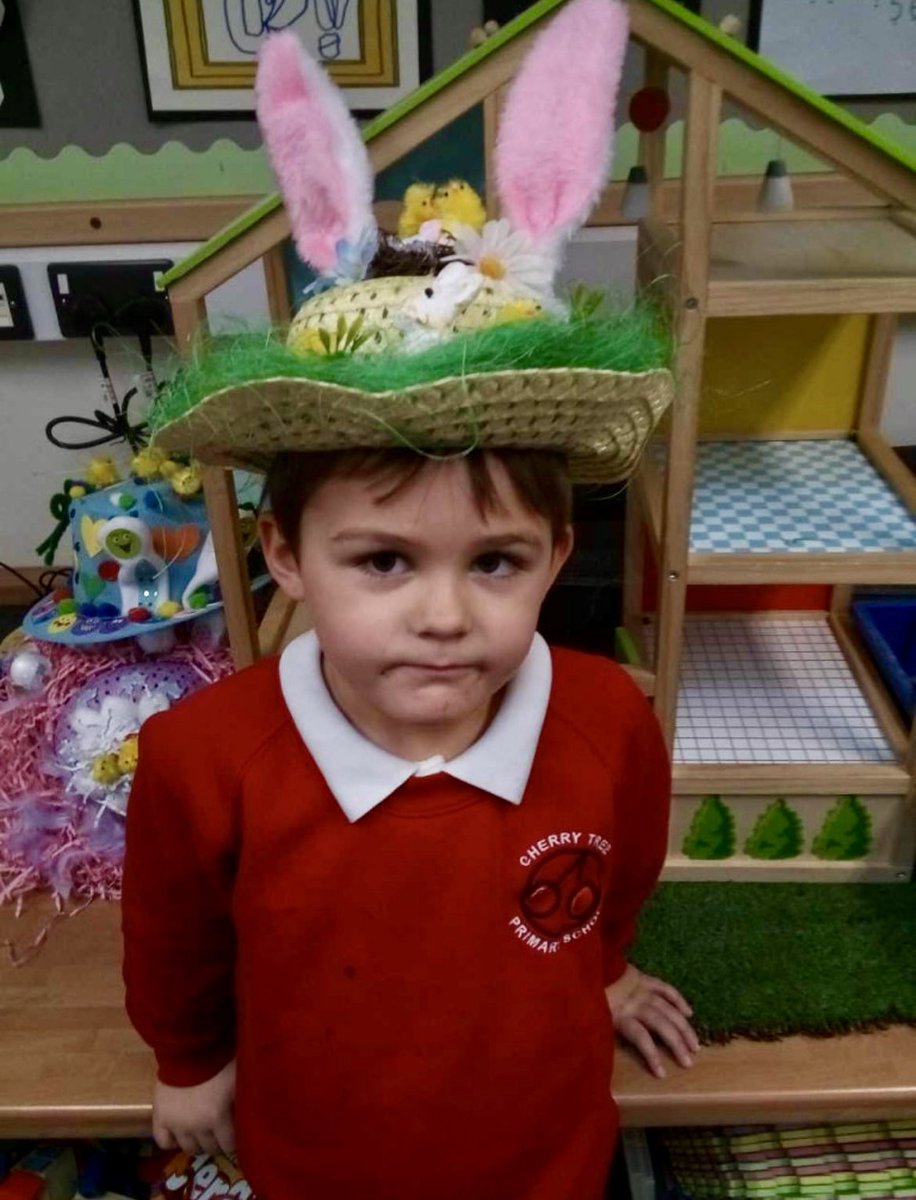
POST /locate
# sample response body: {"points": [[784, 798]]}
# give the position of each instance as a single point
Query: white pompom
{"points": [[29, 671]]}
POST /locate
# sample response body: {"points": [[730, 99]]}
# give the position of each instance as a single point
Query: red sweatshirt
{"points": [[416, 1000]]}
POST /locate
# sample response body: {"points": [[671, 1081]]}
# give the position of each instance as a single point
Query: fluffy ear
{"points": [[554, 145], [316, 150]]}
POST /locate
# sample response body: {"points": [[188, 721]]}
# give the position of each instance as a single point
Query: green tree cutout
{"points": [[712, 831], [778, 833], [846, 832]]}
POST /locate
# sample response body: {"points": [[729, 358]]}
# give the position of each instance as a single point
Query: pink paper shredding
{"points": [[44, 843]]}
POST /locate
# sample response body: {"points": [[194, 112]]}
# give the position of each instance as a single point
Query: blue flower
{"points": [[353, 259]]}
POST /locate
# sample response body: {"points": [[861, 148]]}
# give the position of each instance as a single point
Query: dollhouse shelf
{"points": [[788, 512], [768, 267], [71, 1066], [783, 703]]}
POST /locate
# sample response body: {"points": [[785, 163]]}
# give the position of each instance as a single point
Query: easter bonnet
{"points": [[452, 338]]}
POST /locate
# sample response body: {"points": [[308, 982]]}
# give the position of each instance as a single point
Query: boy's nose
{"points": [[443, 610]]}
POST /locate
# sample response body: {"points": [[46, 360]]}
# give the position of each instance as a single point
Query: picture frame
{"points": [[199, 56], [18, 102], [844, 49], [504, 10]]}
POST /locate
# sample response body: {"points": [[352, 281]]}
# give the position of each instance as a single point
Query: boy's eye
{"points": [[384, 562], [495, 563]]}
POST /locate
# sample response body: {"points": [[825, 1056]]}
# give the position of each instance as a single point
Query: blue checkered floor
{"points": [[761, 690], [818, 497]]}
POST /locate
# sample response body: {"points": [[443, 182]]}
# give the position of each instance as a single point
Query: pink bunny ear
{"points": [[316, 150], [556, 130]]}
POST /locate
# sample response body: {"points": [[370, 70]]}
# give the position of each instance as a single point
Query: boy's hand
{"points": [[643, 1006], [196, 1119]]}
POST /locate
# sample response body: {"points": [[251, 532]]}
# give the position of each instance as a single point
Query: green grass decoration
{"points": [[788, 958], [630, 340]]}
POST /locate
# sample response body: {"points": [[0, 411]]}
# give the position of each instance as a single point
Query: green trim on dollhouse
{"points": [[530, 17]]}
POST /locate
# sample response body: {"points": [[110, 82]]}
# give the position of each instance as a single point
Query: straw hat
{"points": [[326, 394]]}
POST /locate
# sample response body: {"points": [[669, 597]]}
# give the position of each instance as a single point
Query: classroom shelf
{"points": [[795, 511], [71, 1066], [786, 702], [768, 267]]}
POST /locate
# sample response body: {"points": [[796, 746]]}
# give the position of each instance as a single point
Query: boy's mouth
{"points": [[438, 668]]}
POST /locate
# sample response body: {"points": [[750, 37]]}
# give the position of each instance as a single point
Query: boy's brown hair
{"points": [[540, 479]]}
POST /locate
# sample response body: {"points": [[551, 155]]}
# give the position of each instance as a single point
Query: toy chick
{"points": [[456, 203], [417, 209], [102, 472]]}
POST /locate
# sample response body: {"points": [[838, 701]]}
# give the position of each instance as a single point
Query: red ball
{"points": [[109, 570], [649, 108], [139, 614], [61, 594]]}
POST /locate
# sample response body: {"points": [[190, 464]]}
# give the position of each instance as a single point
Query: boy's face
{"points": [[423, 607]]}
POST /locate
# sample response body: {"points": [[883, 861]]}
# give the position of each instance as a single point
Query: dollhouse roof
{"points": [[690, 43]]}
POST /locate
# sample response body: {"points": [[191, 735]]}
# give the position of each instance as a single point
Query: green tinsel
{"points": [[630, 340]]}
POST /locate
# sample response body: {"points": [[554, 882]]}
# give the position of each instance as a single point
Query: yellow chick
{"points": [[147, 463], [186, 481], [456, 203], [128, 754], [417, 208], [105, 769], [102, 472]]}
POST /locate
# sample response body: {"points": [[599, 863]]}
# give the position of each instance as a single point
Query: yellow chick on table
{"points": [[417, 210], [102, 472], [147, 463], [456, 203]]}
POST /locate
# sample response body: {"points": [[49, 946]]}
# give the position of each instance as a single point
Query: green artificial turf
{"points": [[633, 339], [767, 960]]}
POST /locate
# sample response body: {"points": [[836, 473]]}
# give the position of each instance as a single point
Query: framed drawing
{"points": [[18, 105], [845, 49], [199, 56]]}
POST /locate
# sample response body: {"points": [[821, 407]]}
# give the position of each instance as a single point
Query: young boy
{"points": [[378, 892]]}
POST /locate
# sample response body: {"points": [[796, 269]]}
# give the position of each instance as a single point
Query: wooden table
{"points": [[71, 1066]]}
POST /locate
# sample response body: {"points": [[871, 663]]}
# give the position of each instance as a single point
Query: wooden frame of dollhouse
{"points": [[848, 246]]}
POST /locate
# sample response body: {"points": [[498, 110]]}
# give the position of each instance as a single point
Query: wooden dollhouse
{"points": [[750, 522]]}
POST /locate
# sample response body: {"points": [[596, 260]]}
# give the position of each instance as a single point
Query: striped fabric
{"points": [[873, 1159]]}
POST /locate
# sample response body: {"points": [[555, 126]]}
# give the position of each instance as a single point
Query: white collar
{"points": [[361, 774]]}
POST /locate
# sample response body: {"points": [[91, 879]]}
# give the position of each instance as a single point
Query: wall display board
{"points": [[849, 49], [200, 55]]}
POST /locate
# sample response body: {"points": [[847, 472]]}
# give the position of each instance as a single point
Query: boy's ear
{"points": [[280, 557], [562, 548]]}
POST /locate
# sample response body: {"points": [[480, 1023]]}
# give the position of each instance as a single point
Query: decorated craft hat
{"points": [[143, 562], [451, 338]]}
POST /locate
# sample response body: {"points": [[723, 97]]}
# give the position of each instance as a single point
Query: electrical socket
{"points": [[118, 297], [15, 320]]}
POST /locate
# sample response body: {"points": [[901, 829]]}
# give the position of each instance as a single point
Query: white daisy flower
{"points": [[499, 252]]}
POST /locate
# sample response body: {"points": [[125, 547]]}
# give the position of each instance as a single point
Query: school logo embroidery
{"points": [[561, 897]]}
